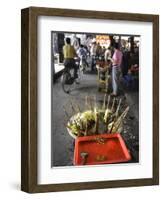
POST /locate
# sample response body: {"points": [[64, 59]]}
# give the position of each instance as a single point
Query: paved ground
{"points": [[63, 144]]}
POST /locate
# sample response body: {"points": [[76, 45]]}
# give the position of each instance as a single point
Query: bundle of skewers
{"points": [[96, 119]]}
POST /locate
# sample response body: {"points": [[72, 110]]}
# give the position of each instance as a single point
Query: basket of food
{"points": [[97, 120]]}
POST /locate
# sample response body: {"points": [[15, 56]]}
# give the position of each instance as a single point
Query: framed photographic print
{"points": [[90, 99]]}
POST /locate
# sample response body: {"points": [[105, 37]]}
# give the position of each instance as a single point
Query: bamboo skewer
{"points": [[113, 105], [119, 120], [86, 102], [86, 129], [90, 103], [108, 101], [104, 102], [112, 125], [77, 106], [66, 113], [96, 115], [116, 114], [72, 107], [95, 103], [96, 123], [81, 125], [107, 113], [123, 115]]}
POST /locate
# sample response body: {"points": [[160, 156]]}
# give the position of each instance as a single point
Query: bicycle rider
{"points": [[69, 54]]}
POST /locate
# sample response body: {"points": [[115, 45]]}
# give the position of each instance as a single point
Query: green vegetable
{"points": [[80, 121]]}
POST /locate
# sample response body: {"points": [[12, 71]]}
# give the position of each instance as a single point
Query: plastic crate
{"points": [[101, 149]]}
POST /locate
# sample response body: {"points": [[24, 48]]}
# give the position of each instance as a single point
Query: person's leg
{"points": [[86, 63], [75, 69], [115, 80], [119, 77], [92, 63], [65, 63]]}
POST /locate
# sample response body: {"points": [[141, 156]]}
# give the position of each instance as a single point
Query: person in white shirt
{"points": [[93, 53]]}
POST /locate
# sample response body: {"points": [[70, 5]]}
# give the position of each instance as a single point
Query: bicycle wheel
{"points": [[67, 80]]}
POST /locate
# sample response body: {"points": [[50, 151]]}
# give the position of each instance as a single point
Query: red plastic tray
{"points": [[101, 149]]}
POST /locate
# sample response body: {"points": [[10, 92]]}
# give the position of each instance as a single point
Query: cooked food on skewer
{"points": [[97, 120]]}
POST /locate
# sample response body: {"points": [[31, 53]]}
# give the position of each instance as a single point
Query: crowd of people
{"points": [[120, 57]]}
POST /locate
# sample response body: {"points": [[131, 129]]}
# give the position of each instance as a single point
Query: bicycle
{"points": [[68, 80]]}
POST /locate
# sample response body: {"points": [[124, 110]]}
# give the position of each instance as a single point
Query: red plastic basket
{"points": [[101, 149]]}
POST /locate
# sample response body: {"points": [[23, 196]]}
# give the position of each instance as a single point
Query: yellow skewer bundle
{"points": [[95, 120]]}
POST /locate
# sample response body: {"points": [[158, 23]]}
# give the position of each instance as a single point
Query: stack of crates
{"points": [[103, 77]]}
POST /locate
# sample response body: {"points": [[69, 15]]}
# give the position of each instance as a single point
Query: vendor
{"points": [[116, 64]]}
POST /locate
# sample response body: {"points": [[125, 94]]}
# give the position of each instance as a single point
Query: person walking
{"points": [[82, 54], [116, 64], [93, 54]]}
